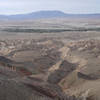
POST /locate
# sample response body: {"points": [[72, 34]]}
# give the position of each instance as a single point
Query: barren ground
{"points": [[50, 59]]}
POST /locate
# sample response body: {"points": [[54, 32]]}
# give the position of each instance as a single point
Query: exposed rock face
{"points": [[64, 69], [5, 60], [46, 61], [87, 77]]}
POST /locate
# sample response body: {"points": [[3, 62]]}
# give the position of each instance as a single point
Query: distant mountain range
{"points": [[47, 14]]}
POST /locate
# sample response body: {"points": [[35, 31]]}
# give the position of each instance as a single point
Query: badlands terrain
{"points": [[52, 59]]}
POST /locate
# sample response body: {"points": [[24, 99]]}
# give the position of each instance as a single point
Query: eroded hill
{"points": [[50, 68]]}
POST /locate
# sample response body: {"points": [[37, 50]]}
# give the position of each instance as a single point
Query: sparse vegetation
{"points": [[50, 30]]}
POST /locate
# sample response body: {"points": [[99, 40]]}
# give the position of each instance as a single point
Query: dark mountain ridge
{"points": [[47, 14]]}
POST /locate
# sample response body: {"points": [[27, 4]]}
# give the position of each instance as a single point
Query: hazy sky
{"points": [[68, 6]]}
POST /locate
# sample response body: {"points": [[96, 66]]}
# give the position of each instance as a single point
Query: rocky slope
{"points": [[50, 69]]}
